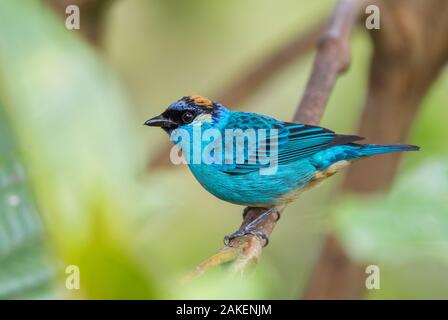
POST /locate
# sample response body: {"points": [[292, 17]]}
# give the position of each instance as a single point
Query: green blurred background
{"points": [[75, 188]]}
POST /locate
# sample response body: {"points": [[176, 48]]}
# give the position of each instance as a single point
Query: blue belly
{"points": [[253, 189]]}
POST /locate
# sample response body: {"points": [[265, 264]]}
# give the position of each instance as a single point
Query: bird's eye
{"points": [[187, 117]]}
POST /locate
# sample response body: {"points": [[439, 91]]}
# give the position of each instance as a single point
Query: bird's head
{"points": [[185, 112]]}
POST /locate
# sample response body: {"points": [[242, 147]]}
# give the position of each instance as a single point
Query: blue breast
{"points": [[253, 189]]}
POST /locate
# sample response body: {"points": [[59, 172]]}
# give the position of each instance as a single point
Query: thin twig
{"points": [[332, 59], [242, 89]]}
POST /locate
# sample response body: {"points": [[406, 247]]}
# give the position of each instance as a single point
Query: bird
{"points": [[305, 155]]}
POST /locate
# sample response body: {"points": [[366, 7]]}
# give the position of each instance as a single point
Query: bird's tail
{"points": [[373, 149], [353, 151]]}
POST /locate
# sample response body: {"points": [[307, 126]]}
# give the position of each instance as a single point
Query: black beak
{"points": [[160, 121]]}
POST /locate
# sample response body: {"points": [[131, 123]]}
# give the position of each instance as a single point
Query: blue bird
{"points": [[304, 154]]}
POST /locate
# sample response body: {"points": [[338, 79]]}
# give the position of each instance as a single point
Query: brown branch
{"points": [[410, 50], [242, 89], [332, 58], [251, 81]]}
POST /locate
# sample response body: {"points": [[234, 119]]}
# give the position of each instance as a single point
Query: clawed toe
{"points": [[261, 235], [230, 237], [251, 228], [244, 232], [278, 216]]}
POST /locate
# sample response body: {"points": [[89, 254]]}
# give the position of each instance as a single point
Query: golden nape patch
{"points": [[202, 101]]}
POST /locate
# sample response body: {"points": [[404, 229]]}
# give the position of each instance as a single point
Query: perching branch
{"points": [[242, 89], [332, 59]]}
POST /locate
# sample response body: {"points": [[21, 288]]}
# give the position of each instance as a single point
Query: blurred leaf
{"points": [[411, 221], [79, 145], [405, 230], [219, 283], [109, 268], [25, 269]]}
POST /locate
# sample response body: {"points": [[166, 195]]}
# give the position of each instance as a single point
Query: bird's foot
{"points": [[251, 228], [244, 232]]}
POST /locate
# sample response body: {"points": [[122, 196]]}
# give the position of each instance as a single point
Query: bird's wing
{"points": [[294, 142]]}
